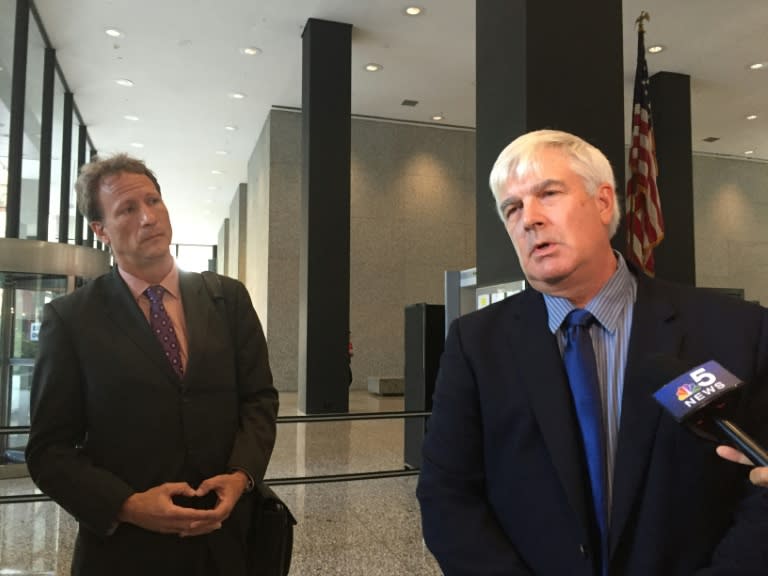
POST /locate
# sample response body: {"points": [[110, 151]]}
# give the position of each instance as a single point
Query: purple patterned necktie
{"points": [[162, 327]]}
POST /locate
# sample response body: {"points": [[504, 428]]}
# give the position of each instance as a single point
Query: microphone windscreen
{"points": [[690, 393]]}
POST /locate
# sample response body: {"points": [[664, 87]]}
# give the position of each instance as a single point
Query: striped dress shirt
{"points": [[612, 308]]}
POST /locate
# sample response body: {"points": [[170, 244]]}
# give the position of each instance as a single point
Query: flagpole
{"points": [[644, 17], [645, 222]]}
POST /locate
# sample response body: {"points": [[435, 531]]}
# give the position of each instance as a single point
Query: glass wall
{"points": [[73, 178], [33, 160], [7, 23], [57, 149], [194, 257], [33, 114]]}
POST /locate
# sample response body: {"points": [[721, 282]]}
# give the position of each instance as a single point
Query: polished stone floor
{"points": [[353, 528]]}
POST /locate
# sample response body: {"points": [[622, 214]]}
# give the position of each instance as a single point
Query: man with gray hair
{"points": [[153, 411], [546, 453]]}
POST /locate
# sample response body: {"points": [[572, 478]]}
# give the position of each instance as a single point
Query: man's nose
{"points": [[148, 215], [532, 214]]}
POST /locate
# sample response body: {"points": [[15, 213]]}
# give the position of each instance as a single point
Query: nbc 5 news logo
{"points": [[704, 384]]}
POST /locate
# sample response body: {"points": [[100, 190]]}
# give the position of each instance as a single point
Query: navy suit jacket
{"points": [[503, 487], [110, 417]]}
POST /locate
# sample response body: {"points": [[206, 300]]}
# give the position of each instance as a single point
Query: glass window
{"points": [[194, 258], [30, 166], [73, 178], [7, 23], [56, 153]]}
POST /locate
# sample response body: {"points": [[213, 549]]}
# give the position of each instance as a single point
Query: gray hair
{"points": [[519, 159]]}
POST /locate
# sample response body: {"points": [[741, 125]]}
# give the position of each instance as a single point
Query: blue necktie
{"points": [[580, 364]]}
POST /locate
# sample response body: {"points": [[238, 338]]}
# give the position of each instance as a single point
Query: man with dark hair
{"points": [[545, 453], [153, 413]]}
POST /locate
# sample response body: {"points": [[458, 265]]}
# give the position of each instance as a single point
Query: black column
{"points": [[66, 168], [670, 95], [424, 339], [324, 259], [82, 137], [555, 64], [16, 133], [46, 146]]}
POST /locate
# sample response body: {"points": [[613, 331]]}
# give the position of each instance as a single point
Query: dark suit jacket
{"points": [[503, 487], [110, 417]]}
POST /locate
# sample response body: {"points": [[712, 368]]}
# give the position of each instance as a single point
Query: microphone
{"points": [[700, 399]]}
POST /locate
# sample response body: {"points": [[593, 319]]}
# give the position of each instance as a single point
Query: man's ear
{"points": [[605, 196], [100, 232]]}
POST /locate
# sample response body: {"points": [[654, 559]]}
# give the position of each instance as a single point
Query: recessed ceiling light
{"points": [[236, 95], [752, 117], [113, 32], [216, 172], [757, 66], [212, 188], [221, 152], [437, 117], [749, 152], [131, 118], [655, 49], [230, 128], [373, 67], [251, 51], [414, 10], [124, 82], [137, 144]]}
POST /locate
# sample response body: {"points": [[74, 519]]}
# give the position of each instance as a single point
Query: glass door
{"points": [[22, 297]]}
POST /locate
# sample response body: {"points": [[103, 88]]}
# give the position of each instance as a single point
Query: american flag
{"points": [[645, 224]]}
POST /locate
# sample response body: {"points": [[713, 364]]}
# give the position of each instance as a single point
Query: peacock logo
{"points": [[686, 391]]}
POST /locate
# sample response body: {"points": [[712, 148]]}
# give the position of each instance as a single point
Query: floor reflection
{"points": [[349, 528]]}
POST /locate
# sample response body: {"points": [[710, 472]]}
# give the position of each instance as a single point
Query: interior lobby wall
{"points": [[412, 218], [237, 250], [730, 212], [257, 221], [222, 254], [284, 191]]}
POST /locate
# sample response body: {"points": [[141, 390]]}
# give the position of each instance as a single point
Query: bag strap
{"points": [[216, 292], [213, 284]]}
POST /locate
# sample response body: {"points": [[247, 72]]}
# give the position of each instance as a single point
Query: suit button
{"points": [[584, 550]]}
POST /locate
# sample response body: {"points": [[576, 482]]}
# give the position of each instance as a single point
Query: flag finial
{"points": [[644, 17]]}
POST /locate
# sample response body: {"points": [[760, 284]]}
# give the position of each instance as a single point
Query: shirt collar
{"points": [[607, 306], [137, 286]]}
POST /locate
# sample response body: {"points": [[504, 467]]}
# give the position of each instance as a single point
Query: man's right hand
{"points": [[155, 510], [758, 475]]}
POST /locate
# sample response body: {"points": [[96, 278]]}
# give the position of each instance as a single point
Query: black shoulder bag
{"points": [[270, 538]]}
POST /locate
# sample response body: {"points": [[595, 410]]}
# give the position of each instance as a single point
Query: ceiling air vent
{"points": [[409, 103], [711, 139]]}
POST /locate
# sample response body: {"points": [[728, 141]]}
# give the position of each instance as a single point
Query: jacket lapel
{"points": [[543, 373], [655, 330], [122, 309]]}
